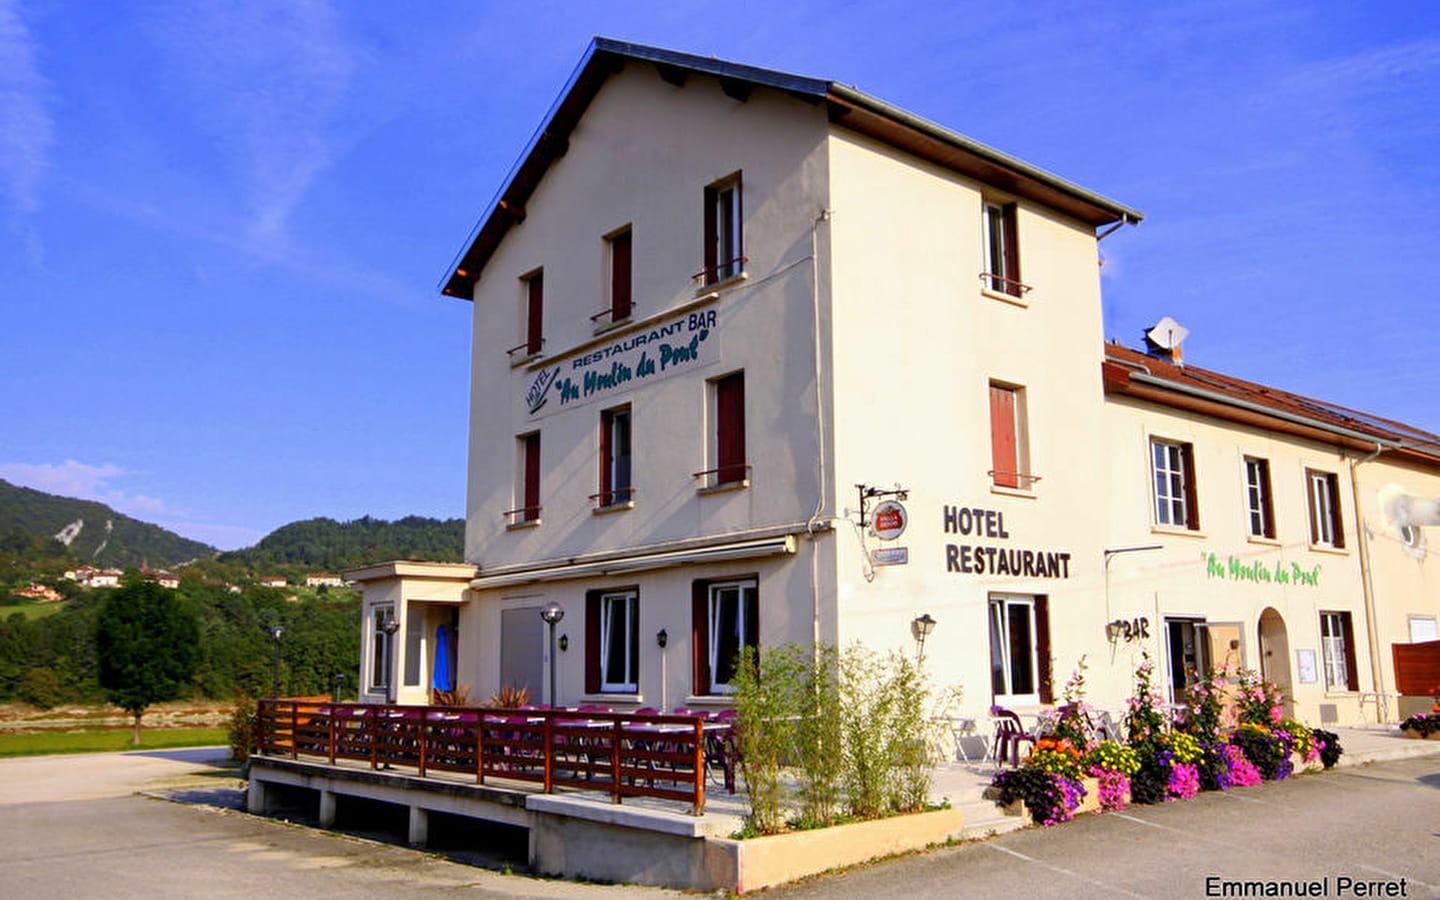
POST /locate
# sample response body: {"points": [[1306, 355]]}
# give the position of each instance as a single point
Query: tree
{"points": [[148, 641]]}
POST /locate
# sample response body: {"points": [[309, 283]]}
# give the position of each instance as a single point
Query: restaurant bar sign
{"points": [[683, 343], [986, 557]]}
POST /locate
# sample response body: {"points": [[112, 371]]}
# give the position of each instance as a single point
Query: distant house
{"points": [[273, 581], [319, 580], [104, 578], [38, 592], [81, 574], [166, 579]]}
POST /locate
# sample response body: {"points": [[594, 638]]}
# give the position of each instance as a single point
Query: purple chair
{"points": [[1009, 735]]}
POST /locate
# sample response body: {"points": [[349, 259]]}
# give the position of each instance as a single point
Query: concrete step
{"points": [[984, 818]]}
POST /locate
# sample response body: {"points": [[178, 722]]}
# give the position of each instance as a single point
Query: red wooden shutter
{"points": [[1352, 671], [620, 276], [592, 642], [1012, 250], [1336, 528], [712, 236], [730, 428], [607, 450], [532, 477], [535, 313], [1003, 456], [1192, 509], [1042, 649], [1266, 499], [700, 635]]}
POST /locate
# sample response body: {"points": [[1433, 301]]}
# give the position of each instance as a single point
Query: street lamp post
{"points": [[552, 614], [390, 625], [276, 632]]}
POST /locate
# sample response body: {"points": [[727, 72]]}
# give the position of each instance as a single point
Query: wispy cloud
{"points": [[26, 129], [88, 482], [268, 78]]}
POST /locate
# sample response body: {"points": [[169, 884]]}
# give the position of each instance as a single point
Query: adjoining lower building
{"points": [[760, 359]]}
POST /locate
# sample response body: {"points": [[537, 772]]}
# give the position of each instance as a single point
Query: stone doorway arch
{"points": [[1275, 655]]}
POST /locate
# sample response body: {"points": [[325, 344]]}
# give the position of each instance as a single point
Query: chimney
{"points": [[1163, 340]]}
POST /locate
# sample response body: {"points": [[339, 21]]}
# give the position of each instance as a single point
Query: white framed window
{"points": [[1259, 505], [1337, 641], [1019, 656], [724, 244], [1002, 248], [615, 469], [382, 659], [1325, 527], [620, 642], [1173, 467], [1423, 629], [731, 626]]}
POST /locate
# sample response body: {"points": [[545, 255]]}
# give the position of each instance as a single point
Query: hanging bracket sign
{"points": [[890, 520]]}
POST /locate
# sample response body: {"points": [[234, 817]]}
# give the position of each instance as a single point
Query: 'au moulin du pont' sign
{"points": [[988, 559], [680, 344], [1280, 573]]}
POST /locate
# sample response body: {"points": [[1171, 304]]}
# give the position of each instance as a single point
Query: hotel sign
{"points": [[680, 344], [996, 559]]}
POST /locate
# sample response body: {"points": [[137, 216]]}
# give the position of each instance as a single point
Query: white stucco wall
{"points": [[1177, 581], [643, 154], [917, 342]]}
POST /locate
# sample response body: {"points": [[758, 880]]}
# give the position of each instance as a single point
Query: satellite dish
{"points": [[1167, 334]]}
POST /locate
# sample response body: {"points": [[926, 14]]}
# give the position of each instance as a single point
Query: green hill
{"points": [[92, 531], [325, 544]]}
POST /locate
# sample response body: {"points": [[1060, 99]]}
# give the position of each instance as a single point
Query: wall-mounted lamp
{"points": [[920, 628], [564, 642], [662, 637]]}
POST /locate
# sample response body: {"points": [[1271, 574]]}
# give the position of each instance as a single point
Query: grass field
{"points": [[109, 740], [31, 610]]}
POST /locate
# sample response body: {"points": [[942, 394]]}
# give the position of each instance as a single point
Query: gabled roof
{"points": [[846, 106], [1137, 374]]}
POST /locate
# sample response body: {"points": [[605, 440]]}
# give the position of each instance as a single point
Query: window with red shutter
{"points": [[1004, 449], [529, 477], [730, 429], [620, 304], [534, 313], [724, 252]]}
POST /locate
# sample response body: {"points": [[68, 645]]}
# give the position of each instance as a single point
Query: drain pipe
{"points": [[822, 488], [1367, 587]]}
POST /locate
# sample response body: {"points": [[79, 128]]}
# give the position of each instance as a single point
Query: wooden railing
{"points": [[623, 754]]}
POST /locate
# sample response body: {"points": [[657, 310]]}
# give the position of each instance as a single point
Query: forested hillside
{"points": [[52, 660], [102, 537], [330, 545]]}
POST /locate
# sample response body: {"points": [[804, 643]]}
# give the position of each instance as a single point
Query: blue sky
{"points": [[222, 224]]}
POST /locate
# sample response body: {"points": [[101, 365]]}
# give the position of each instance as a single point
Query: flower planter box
{"points": [[1091, 800], [775, 859], [1415, 735]]}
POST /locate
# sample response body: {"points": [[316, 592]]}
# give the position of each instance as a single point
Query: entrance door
{"points": [[1275, 655], [1189, 654], [522, 650]]}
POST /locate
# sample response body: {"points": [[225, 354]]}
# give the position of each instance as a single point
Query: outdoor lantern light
{"points": [[276, 633], [389, 625], [552, 614], [920, 628], [564, 642], [662, 637]]}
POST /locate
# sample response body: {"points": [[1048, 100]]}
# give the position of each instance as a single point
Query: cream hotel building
{"points": [[761, 359]]}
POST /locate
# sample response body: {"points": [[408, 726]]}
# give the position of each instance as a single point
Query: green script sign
{"points": [[1280, 573]]}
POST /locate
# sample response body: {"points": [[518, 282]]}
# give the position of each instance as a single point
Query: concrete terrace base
{"points": [[767, 861], [577, 835]]}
